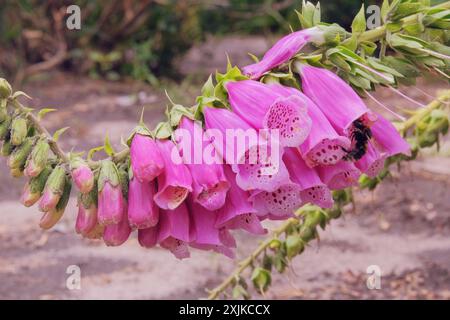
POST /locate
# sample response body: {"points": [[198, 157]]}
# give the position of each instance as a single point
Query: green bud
{"points": [[56, 180], [261, 279], [275, 244], [20, 154], [307, 233], [7, 148], [5, 127], [37, 184], [279, 261], [19, 131], [108, 173], [267, 262], [294, 246], [333, 34], [62, 203], [5, 89], [16, 173], [38, 158], [3, 111], [240, 292]]}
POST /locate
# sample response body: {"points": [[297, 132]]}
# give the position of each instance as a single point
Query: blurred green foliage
{"points": [[137, 38]]}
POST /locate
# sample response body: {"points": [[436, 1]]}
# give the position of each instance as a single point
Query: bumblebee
{"points": [[360, 136]]}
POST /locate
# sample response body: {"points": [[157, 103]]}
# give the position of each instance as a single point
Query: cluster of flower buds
{"points": [[29, 155]]}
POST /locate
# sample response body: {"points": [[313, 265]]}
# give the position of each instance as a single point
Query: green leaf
{"points": [[359, 23], [385, 10], [21, 94], [43, 112], [208, 88], [351, 43], [93, 151], [58, 133], [109, 150], [163, 130]]}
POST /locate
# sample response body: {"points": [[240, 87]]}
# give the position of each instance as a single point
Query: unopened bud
{"points": [[87, 213], [261, 279], [111, 204], [53, 190], [16, 173], [5, 89], [7, 148], [38, 159], [294, 245], [19, 131], [82, 175], [20, 154], [4, 127], [50, 218], [3, 111], [33, 189]]}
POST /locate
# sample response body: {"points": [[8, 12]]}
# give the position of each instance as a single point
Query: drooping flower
{"points": [[51, 217], [340, 176], [37, 159], [335, 98], [82, 175], [388, 138], [323, 146], [146, 160], [143, 212], [256, 161], [111, 204], [208, 180], [262, 107], [174, 231], [175, 182], [32, 191], [279, 204], [203, 225], [148, 238], [312, 189], [238, 213], [288, 46], [372, 162], [87, 213], [116, 234], [54, 188]]}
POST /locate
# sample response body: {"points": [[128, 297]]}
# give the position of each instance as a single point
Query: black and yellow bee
{"points": [[360, 136]]}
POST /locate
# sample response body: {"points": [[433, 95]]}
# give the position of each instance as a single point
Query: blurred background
{"points": [[124, 57]]}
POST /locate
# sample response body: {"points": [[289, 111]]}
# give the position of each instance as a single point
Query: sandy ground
{"points": [[403, 227]]}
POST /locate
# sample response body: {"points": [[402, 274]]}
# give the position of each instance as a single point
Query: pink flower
{"points": [[87, 216], [148, 238], [335, 98], [388, 138], [203, 225], [28, 197], [281, 52], [175, 183], [313, 190], [340, 176], [111, 204], [279, 204], [262, 107], [372, 162], [143, 212], [174, 231], [238, 213], [116, 234], [208, 180], [323, 146], [83, 178], [146, 160], [256, 161]]}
